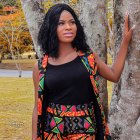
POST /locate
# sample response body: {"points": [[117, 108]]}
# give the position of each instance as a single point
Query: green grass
{"points": [[17, 100]]}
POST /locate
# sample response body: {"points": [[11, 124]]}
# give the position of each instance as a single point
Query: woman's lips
{"points": [[68, 34]]}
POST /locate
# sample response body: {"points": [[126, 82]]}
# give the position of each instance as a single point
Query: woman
{"points": [[67, 103]]}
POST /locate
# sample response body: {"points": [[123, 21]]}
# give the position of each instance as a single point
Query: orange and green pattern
{"points": [[66, 120], [88, 60]]}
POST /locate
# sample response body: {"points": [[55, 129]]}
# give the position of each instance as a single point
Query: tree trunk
{"points": [[94, 18], [1, 56], [34, 14], [124, 115]]}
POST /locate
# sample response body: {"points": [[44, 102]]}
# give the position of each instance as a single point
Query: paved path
{"points": [[14, 73]]}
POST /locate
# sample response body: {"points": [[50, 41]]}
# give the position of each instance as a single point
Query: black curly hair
{"points": [[47, 37]]}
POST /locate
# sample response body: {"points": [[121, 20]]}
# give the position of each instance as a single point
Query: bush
{"points": [[1, 6]]}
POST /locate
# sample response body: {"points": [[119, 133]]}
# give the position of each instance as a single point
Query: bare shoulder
{"points": [[35, 71], [35, 67], [36, 81]]}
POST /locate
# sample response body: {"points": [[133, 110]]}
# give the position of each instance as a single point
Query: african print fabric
{"points": [[70, 122], [88, 60]]}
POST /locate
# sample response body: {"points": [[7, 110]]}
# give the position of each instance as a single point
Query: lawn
{"points": [[26, 64], [17, 99]]}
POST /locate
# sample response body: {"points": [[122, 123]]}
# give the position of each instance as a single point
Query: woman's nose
{"points": [[68, 26]]}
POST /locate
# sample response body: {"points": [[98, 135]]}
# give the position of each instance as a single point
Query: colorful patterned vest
{"points": [[88, 60]]}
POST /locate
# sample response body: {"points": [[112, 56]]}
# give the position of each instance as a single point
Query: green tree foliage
{"points": [[1, 6], [8, 2]]}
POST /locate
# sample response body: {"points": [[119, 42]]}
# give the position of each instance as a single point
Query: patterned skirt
{"points": [[70, 122]]}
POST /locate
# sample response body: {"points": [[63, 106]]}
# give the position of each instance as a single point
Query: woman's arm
{"points": [[34, 115], [113, 74]]}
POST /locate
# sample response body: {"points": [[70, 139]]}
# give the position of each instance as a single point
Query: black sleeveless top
{"points": [[68, 83]]}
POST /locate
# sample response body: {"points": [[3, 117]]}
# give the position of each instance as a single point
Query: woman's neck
{"points": [[66, 54], [65, 49]]}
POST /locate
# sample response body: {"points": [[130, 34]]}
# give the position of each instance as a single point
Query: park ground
{"points": [[17, 101], [26, 64]]}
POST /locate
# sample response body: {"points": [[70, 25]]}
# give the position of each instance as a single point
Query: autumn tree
{"points": [[13, 27], [14, 35]]}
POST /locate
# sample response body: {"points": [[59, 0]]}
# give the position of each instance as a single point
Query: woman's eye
{"points": [[73, 22], [60, 23]]}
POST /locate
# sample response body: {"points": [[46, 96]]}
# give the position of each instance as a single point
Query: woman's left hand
{"points": [[127, 33]]}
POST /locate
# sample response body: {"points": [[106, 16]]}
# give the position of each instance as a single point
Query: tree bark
{"points": [[93, 15], [34, 14], [124, 115], [93, 18]]}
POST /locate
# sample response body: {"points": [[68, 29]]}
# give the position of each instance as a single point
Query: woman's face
{"points": [[66, 29]]}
